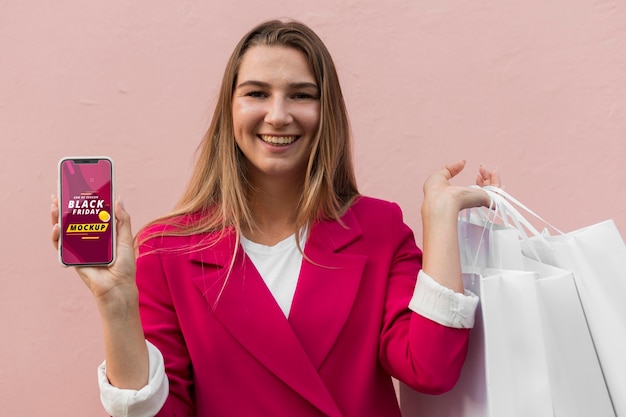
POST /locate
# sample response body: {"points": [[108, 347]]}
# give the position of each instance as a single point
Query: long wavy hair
{"points": [[217, 193]]}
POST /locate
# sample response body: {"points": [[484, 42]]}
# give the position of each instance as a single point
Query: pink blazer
{"points": [[348, 332]]}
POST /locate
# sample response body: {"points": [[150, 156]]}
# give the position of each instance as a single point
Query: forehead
{"points": [[267, 63]]}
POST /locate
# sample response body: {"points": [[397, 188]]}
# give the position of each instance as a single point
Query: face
{"points": [[276, 112]]}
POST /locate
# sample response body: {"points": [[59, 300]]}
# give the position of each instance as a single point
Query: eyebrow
{"points": [[304, 84]]}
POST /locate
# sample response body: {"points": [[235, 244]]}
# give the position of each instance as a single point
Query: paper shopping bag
{"points": [[577, 384], [506, 371], [485, 244], [577, 387], [576, 380], [597, 257]]}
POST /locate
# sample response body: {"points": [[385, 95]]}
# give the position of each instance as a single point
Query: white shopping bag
{"points": [[506, 371], [597, 257], [485, 244], [576, 386], [576, 380]]}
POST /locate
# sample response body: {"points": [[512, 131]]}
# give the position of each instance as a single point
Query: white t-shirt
{"points": [[279, 266]]}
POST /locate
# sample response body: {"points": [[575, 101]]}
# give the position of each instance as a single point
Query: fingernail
{"points": [[119, 198]]}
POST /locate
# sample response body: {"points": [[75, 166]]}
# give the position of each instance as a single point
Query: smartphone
{"points": [[86, 211]]}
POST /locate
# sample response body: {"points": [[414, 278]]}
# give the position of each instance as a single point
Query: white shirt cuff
{"points": [[443, 305], [145, 402]]}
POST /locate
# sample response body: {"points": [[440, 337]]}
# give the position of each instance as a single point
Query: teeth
{"points": [[278, 140]]}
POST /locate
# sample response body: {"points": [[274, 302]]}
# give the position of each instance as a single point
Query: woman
{"points": [[274, 288]]}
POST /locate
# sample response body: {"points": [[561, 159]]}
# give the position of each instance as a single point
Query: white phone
{"points": [[86, 211]]}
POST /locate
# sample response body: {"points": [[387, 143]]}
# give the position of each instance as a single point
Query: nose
{"points": [[278, 112]]}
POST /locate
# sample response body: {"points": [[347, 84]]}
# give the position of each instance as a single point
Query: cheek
{"points": [[245, 111], [311, 117], [245, 120], [238, 115]]}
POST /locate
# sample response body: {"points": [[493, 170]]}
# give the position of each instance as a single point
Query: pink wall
{"points": [[537, 88]]}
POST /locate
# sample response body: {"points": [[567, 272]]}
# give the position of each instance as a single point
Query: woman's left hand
{"points": [[440, 210], [438, 190]]}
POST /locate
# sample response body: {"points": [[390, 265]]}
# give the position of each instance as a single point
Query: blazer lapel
{"points": [[327, 287], [246, 308]]}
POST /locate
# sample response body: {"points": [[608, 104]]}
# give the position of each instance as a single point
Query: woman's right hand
{"points": [[116, 294], [107, 283]]}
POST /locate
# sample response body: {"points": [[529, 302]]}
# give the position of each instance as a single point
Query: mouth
{"points": [[278, 140]]}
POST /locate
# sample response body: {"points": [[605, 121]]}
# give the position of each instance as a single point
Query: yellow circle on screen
{"points": [[104, 216]]}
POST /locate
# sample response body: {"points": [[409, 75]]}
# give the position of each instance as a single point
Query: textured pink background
{"points": [[537, 88]]}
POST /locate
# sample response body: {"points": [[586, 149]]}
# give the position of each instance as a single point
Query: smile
{"points": [[278, 140]]}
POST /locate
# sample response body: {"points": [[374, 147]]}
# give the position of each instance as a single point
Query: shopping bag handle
{"points": [[508, 201], [503, 206], [500, 208]]}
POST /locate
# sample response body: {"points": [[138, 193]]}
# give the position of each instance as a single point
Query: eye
{"points": [[256, 94], [304, 96]]}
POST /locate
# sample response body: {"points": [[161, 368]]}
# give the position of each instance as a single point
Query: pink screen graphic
{"points": [[86, 209]]}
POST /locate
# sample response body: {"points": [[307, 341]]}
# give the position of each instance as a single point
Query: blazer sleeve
{"points": [[161, 328], [418, 351]]}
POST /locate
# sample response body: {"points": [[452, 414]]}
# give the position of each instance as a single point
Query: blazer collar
{"points": [[327, 286], [325, 236], [292, 349]]}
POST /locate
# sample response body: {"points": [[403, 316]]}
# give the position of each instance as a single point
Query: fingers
{"points": [[54, 236], [124, 230], [54, 218], [487, 177], [54, 210], [484, 177], [454, 168], [495, 178]]}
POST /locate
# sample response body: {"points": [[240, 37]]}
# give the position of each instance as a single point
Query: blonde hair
{"points": [[218, 190]]}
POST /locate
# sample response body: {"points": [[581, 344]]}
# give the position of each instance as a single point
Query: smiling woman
{"points": [[280, 82], [276, 113], [274, 288]]}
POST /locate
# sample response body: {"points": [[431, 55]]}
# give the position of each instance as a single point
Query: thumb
{"points": [[124, 230], [454, 168]]}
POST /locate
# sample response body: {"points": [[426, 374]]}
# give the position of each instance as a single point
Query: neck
{"points": [[274, 205]]}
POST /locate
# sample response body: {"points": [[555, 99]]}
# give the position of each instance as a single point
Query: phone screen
{"points": [[86, 211]]}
